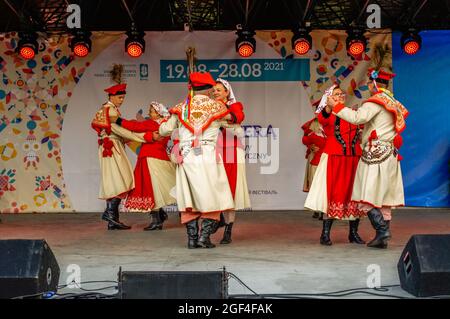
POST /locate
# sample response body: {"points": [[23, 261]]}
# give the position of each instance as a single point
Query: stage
{"points": [[272, 252]]}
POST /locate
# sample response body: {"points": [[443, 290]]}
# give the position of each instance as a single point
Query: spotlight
{"points": [[356, 42], [135, 43], [411, 42], [81, 43], [27, 46], [245, 43], [301, 41]]}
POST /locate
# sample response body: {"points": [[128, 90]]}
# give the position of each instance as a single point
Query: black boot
{"points": [[219, 224], [353, 235], [208, 227], [381, 227], [156, 222], [163, 215], [321, 216], [325, 237], [111, 215], [315, 215], [227, 234], [222, 222], [192, 232], [108, 214]]}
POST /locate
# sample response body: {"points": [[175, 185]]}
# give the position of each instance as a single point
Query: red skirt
{"points": [[341, 171], [229, 157], [141, 198]]}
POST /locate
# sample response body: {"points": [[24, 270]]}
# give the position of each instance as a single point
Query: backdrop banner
{"points": [[422, 84], [49, 153]]}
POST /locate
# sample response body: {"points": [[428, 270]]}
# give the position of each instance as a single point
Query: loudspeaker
{"points": [[27, 267], [173, 284], [424, 265]]}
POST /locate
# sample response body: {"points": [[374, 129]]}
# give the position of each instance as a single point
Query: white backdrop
{"points": [[284, 105]]}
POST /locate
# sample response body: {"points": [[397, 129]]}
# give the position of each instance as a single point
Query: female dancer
{"points": [[332, 186], [154, 173], [233, 155]]}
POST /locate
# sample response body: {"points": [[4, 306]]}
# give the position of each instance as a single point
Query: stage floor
{"points": [[272, 252]]}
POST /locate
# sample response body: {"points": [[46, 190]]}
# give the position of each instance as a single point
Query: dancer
{"points": [[378, 184], [116, 172], [314, 139], [154, 173], [331, 188], [233, 155], [202, 189]]}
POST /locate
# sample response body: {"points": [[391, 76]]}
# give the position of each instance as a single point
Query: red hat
{"points": [[117, 89], [199, 79], [380, 75]]}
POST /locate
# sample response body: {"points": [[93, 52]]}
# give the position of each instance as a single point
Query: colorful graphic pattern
{"points": [[330, 62], [33, 99], [34, 96]]}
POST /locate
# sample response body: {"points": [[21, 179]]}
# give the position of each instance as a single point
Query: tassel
{"points": [[373, 136]]}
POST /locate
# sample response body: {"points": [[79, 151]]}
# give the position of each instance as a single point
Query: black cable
{"points": [[340, 293], [30, 296], [93, 290], [89, 295], [88, 282], [242, 283]]}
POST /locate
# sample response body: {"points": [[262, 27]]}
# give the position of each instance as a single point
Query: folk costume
{"points": [[154, 173], [332, 186], [115, 168], [232, 152], [202, 188], [313, 134], [378, 184]]}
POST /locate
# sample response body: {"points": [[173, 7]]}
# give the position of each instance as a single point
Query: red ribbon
{"points": [[107, 146]]}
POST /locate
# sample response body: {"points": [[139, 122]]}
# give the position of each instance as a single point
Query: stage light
{"points": [[27, 46], [135, 43], [356, 42], [411, 42], [81, 43], [301, 41], [245, 43]]}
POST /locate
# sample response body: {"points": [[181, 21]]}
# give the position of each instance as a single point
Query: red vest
{"points": [[154, 149], [342, 137], [318, 141]]}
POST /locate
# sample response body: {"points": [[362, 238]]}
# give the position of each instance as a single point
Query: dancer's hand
{"points": [[156, 136], [331, 103], [113, 118], [228, 117], [314, 148]]}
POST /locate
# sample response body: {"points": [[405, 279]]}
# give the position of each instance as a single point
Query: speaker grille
{"points": [[173, 285]]}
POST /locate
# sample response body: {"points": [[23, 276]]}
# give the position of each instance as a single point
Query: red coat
{"points": [[318, 141], [227, 139], [306, 131], [155, 149], [227, 142], [237, 112], [342, 137]]}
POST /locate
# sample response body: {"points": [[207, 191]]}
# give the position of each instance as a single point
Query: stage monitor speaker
{"points": [[424, 266], [27, 267], [173, 284]]}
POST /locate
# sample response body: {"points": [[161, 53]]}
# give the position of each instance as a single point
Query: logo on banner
{"points": [[130, 71], [143, 71], [263, 146]]}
